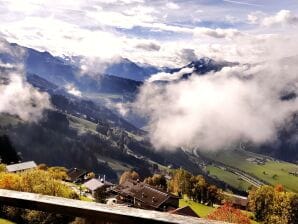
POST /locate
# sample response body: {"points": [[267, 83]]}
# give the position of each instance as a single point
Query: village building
{"points": [[19, 167], [236, 200], [295, 173], [140, 195], [186, 211], [76, 175], [99, 188]]}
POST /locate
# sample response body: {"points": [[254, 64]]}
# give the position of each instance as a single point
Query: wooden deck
{"points": [[93, 212]]}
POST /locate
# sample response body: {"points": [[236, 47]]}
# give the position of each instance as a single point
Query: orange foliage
{"points": [[9, 181], [279, 188], [229, 214]]}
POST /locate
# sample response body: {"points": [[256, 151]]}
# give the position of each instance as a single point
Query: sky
{"points": [[158, 32]]}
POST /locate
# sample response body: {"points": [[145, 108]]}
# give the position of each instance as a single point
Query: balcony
{"points": [[94, 213]]}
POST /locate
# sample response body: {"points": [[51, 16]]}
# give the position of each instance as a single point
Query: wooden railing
{"points": [[93, 212]]}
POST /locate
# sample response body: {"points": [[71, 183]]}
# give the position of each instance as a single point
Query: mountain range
{"points": [[81, 131]]}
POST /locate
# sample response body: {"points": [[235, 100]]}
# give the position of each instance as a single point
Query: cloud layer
{"points": [[18, 97], [21, 99], [236, 104], [145, 31]]}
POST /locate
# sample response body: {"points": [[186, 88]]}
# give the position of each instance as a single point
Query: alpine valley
{"points": [[85, 129]]}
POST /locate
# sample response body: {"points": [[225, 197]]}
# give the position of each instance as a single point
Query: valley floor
{"points": [[241, 169]]}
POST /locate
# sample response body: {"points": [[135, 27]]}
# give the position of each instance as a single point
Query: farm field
{"points": [[271, 171], [228, 177]]}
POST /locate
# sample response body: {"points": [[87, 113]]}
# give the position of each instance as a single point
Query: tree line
{"points": [[274, 205], [181, 183], [268, 204], [42, 180]]}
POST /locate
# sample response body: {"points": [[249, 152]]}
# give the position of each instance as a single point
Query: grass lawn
{"points": [[228, 177], [4, 221], [203, 211], [200, 209], [273, 172]]}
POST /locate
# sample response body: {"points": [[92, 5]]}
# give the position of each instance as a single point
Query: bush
{"points": [[229, 214], [35, 181], [274, 205]]}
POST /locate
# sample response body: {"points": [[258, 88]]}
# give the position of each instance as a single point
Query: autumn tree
{"points": [[2, 167], [91, 175], [213, 195], [180, 182], [229, 214], [198, 190], [35, 181], [58, 172], [42, 166], [274, 205], [261, 202], [293, 218], [195, 187], [157, 180], [129, 175]]}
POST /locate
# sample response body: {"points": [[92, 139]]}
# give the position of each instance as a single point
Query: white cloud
{"points": [[213, 112], [148, 46], [164, 76], [18, 97], [172, 5], [71, 89], [255, 17], [241, 103], [129, 18], [21, 99], [283, 17], [94, 28], [231, 19], [143, 31], [217, 33]]}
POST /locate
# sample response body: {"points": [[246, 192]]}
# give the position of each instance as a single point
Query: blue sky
{"points": [[106, 29]]}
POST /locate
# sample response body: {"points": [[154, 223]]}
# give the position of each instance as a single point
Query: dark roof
{"points": [[95, 184], [21, 166], [143, 192], [74, 174], [186, 210]]}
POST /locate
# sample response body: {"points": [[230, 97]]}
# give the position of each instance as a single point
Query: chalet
{"points": [[186, 211], [141, 195], [76, 175], [19, 167], [236, 200], [99, 188], [295, 173]]}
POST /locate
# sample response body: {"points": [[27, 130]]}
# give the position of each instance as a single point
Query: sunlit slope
{"points": [[265, 168]]}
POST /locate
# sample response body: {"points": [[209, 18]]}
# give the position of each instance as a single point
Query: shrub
{"points": [[35, 181], [229, 214]]}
